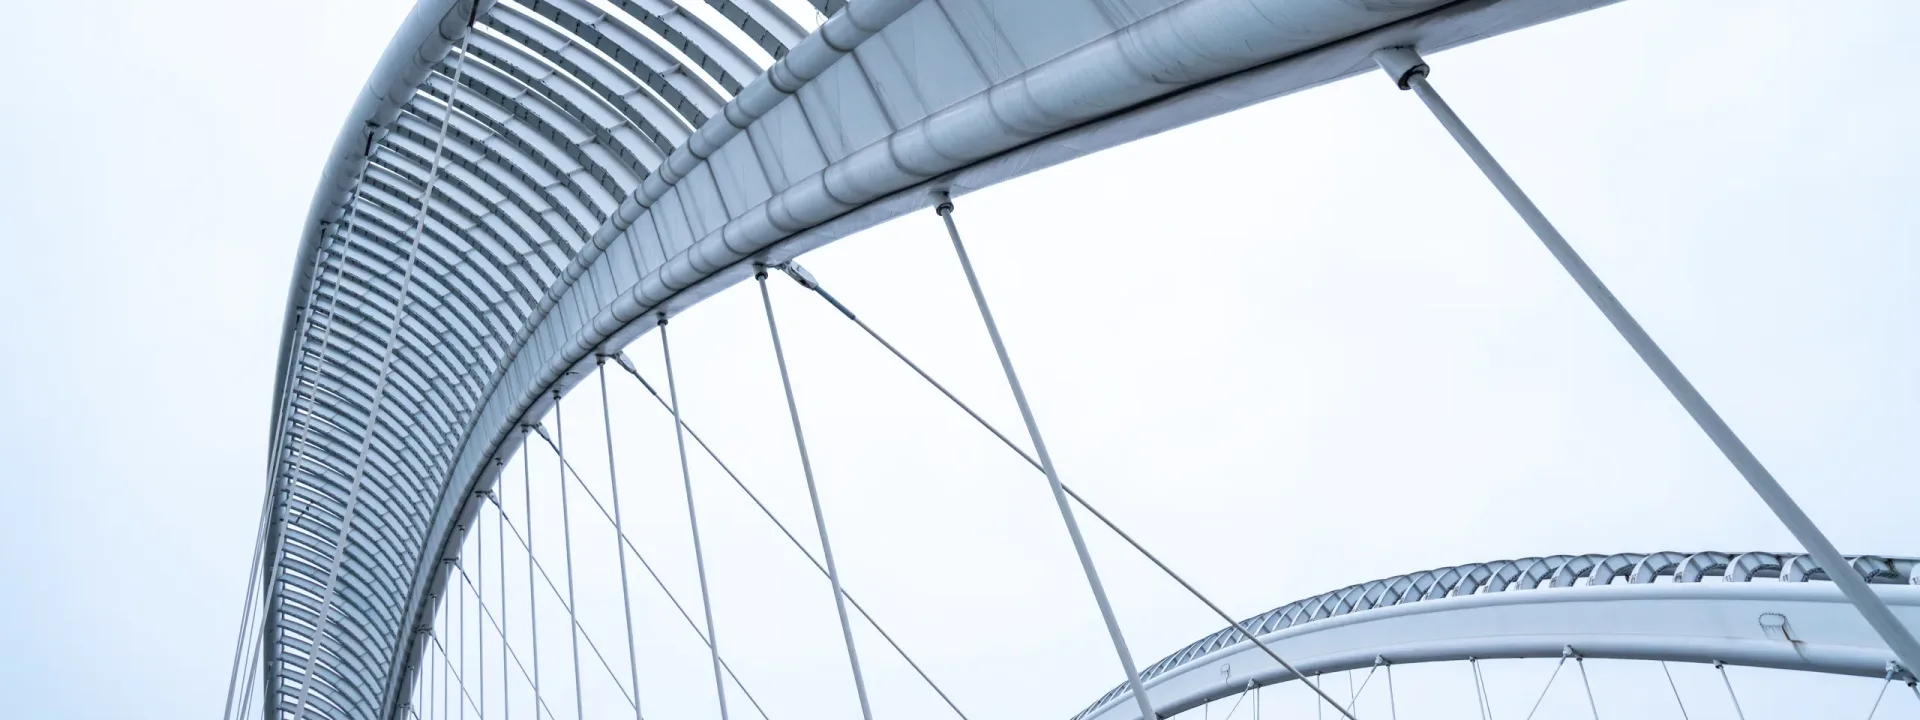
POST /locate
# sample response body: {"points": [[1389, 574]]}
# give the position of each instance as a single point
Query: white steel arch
{"points": [[1758, 609], [606, 161]]}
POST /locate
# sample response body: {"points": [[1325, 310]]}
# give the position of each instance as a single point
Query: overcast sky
{"points": [[1375, 369]]}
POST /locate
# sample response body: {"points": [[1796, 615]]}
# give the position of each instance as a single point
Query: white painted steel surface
{"points": [[613, 159], [1758, 609]]}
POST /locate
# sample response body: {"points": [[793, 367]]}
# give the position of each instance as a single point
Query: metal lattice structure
{"points": [[1541, 580], [526, 186]]}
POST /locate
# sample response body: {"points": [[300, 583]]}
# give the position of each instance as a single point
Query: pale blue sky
{"points": [[1380, 371]]}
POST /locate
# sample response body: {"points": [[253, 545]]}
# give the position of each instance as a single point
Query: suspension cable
{"points": [[945, 210], [806, 280], [1581, 664], [1480, 690], [533, 595], [1410, 73], [1880, 695], [1393, 704], [627, 365], [499, 625], [462, 667], [693, 519], [1676, 690], [613, 479], [1549, 686], [500, 548], [480, 598], [1239, 700], [1717, 665], [566, 537], [670, 598], [575, 621], [813, 495], [453, 677], [1355, 702]]}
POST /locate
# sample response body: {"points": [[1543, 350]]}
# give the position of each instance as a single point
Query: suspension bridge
{"points": [[526, 188]]}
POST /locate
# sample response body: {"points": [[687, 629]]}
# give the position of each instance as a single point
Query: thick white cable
{"points": [[480, 598], [1717, 665], [1393, 702], [620, 533], [693, 519], [1581, 664], [566, 537], [533, 596], [813, 495], [1409, 72], [1676, 690], [500, 551], [462, 672], [945, 210]]}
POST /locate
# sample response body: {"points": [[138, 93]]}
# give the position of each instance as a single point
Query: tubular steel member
{"points": [[1409, 72], [945, 209], [620, 534], [807, 280], [566, 538], [693, 518], [813, 494]]}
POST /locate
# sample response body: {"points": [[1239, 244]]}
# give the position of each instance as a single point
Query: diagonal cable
{"points": [[657, 581], [626, 364], [800, 275]]}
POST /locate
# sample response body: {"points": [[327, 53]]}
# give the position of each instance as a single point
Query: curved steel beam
{"points": [[557, 225], [1790, 623]]}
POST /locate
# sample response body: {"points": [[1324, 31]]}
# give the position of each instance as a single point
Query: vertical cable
{"points": [[566, 536], [1676, 690], [806, 280], [500, 548], [461, 671], [804, 552], [480, 598], [1717, 665], [1480, 690], [619, 537], [813, 495], [533, 598], [945, 209], [693, 519], [427, 666], [1581, 663], [1393, 704], [446, 679], [1412, 74]]}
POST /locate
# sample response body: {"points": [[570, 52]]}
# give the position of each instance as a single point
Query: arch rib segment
{"points": [[825, 143], [1720, 614]]}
